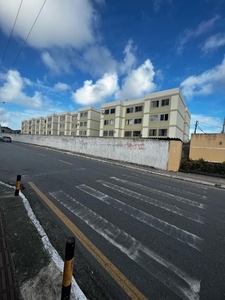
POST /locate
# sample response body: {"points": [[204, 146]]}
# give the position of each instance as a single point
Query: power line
{"points": [[11, 34], [7, 75]]}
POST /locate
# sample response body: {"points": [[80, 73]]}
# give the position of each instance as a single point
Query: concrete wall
{"points": [[210, 147], [148, 152]]}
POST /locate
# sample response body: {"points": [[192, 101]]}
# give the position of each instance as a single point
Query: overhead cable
{"points": [[7, 75], [11, 34]]}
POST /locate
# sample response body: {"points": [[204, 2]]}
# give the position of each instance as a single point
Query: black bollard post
{"points": [[18, 180], [68, 268]]}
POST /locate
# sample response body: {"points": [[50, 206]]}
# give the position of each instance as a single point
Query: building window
{"points": [[83, 114], [137, 121], [153, 132], [165, 102], [62, 126], [111, 132], [106, 122], [83, 133], [49, 119], [112, 111], [106, 111], [129, 122], [128, 133], [49, 126], [111, 122], [138, 108], [105, 133], [164, 117], [162, 132], [154, 118], [49, 132], [74, 125], [38, 121], [61, 133], [136, 133], [130, 110], [74, 117], [155, 103], [62, 118]]}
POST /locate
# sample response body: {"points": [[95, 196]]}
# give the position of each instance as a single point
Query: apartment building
{"points": [[161, 114]]}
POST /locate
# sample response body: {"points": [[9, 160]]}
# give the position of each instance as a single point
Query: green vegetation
{"points": [[203, 167]]}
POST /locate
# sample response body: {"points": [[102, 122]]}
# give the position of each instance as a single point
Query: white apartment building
{"points": [[64, 124], [161, 114], [88, 121]]}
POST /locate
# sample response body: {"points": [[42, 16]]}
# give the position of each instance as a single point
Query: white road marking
{"points": [[165, 194], [171, 230], [171, 276]]}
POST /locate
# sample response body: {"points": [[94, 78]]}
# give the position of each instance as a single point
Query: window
{"points": [[138, 108], [153, 132], [130, 110], [61, 133], [164, 117], [111, 132], [38, 121], [74, 117], [111, 122], [128, 133], [85, 123], [49, 126], [129, 122], [49, 119], [49, 132], [155, 103], [154, 118], [162, 132], [105, 133], [137, 121], [112, 111], [106, 122], [106, 111], [62, 118], [136, 133], [74, 125], [62, 126], [82, 132], [83, 114], [165, 102]]}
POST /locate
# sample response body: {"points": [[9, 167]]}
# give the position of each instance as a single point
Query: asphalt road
{"points": [[165, 236]]}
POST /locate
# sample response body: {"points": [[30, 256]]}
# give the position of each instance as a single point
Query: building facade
{"points": [[161, 114]]}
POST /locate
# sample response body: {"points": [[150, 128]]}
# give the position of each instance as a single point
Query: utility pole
{"points": [[223, 130], [196, 125]]}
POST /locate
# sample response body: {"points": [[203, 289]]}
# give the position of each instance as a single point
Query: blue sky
{"points": [[61, 55]]}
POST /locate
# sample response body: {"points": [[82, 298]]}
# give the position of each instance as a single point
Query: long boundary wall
{"points": [[158, 154]]}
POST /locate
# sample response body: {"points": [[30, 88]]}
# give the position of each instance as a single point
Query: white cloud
{"points": [[61, 86], [129, 59], [205, 84], [56, 62], [13, 92], [60, 24], [138, 82], [214, 42], [92, 93], [190, 34], [96, 60]]}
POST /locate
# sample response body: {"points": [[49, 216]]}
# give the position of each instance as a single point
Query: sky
{"points": [[62, 55]]}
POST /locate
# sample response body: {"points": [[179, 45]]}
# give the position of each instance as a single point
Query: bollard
{"points": [[17, 185], [68, 268]]}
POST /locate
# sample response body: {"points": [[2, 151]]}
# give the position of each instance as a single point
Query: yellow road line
{"points": [[121, 280], [65, 162]]}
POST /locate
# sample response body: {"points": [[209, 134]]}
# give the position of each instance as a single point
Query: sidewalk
{"points": [[19, 237]]}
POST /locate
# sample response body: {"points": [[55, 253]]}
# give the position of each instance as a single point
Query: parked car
{"points": [[6, 139]]}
